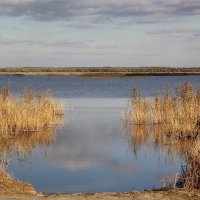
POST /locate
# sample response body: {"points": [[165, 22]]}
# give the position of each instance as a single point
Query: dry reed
{"points": [[190, 177], [141, 107], [30, 112], [178, 113], [9, 185]]}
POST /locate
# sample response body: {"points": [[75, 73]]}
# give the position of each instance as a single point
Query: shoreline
{"points": [[144, 195], [103, 74]]}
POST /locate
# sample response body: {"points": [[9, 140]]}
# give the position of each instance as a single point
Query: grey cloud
{"points": [[72, 43], [175, 31], [100, 11], [59, 43]]}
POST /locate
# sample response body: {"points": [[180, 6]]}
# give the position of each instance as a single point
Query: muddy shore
{"points": [[146, 195]]}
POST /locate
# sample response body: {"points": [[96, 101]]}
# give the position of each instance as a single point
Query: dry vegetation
{"points": [[30, 112], [102, 72], [190, 176], [172, 123], [26, 121], [102, 69], [9, 185], [177, 113]]}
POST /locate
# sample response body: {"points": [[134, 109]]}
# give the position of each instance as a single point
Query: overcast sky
{"points": [[99, 33]]}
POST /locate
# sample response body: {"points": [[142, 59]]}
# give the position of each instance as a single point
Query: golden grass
{"points": [[8, 185], [178, 113], [190, 177], [26, 121], [168, 121], [30, 112]]}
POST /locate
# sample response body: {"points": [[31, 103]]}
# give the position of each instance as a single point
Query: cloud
{"points": [[92, 12], [190, 34], [175, 31], [59, 43], [57, 48]]}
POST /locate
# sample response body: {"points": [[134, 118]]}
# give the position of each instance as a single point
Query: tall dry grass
{"points": [[190, 174], [30, 112], [10, 186], [178, 113], [141, 107]]}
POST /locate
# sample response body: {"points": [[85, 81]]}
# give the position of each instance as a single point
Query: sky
{"points": [[134, 33]]}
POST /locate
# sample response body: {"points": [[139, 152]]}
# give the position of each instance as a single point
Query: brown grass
{"points": [[9, 185], [30, 112], [168, 122], [26, 121], [190, 177], [178, 113]]}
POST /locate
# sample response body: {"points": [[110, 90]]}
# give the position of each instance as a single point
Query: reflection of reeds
{"points": [[178, 113], [23, 145], [143, 134], [140, 136], [30, 112], [189, 150]]}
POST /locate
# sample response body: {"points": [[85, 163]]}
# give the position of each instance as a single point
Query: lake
{"points": [[93, 152]]}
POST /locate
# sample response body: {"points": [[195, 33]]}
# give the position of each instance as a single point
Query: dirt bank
{"points": [[9, 185], [147, 195]]}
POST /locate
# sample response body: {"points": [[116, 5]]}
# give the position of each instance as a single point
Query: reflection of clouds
{"points": [[81, 156], [87, 163], [84, 143]]}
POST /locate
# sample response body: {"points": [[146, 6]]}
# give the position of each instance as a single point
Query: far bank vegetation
{"points": [[103, 69]]}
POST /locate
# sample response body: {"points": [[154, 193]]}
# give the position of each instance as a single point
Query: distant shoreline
{"points": [[102, 74]]}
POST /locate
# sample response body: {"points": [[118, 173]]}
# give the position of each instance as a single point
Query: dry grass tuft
{"points": [[9, 185], [30, 112], [190, 177], [178, 113]]}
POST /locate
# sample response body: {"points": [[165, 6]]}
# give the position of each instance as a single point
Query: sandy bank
{"points": [[147, 195]]}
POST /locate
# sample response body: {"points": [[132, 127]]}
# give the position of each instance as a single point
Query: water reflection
{"points": [[187, 150], [140, 135], [23, 145]]}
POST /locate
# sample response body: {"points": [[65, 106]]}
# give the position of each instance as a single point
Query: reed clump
{"points": [[141, 106], [29, 112], [190, 174], [11, 186], [177, 112]]}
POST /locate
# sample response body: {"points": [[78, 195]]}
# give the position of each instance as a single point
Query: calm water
{"points": [[92, 152]]}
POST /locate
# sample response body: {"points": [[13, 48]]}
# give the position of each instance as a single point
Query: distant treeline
{"points": [[100, 69]]}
